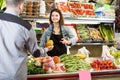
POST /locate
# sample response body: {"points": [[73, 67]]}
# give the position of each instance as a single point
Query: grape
{"points": [[117, 61]]}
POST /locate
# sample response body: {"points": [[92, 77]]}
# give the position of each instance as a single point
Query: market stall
{"points": [[96, 67], [82, 14]]}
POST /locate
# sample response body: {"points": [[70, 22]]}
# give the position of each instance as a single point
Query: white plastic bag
{"points": [[83, 50], [106, 54]]}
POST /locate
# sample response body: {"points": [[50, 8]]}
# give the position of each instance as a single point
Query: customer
{"points": [[61, 35], [16, 38]]}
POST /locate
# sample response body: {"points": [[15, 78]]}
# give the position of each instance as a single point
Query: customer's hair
{"points": [[13, 2], [61, 22]]}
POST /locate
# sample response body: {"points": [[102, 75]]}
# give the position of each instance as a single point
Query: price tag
{"points": [[84, 75]]}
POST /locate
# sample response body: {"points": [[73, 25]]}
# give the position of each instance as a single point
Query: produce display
{"points": [[73, 63], [68, 63], [103, 65], [63, 6], [82, 9], [43, 65], [33, 66], [95, 34], [83, 33], [107, 32], [52, 64], [81, 55], [76, 9], [116, 55], [31, 9]]}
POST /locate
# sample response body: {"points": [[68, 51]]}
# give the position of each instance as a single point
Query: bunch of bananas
{"points": [[81, 55]]}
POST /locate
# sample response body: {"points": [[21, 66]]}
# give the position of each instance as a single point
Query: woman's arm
{"points": [[71, 34], [43, 40]]}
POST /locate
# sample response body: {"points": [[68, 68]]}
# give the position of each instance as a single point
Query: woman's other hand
{"points": [[64, 41]]}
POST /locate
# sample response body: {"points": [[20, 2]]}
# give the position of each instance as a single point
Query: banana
{"points": [[81, 55]]}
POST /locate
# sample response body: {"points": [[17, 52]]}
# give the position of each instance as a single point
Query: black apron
{"points": [[59, 48]]}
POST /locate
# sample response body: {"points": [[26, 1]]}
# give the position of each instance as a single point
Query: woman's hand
{"points": [[64, 41], [50, 48]]}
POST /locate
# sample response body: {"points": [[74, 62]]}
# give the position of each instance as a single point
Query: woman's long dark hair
{"points": [[61, 22]]}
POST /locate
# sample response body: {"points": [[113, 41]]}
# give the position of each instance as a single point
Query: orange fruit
{"points": [[49, 43], [56, 59]]}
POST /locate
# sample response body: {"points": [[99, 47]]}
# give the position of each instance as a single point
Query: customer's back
{"points": [[15, 36]]}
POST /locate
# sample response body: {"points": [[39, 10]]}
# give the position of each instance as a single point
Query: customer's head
{"points": [[15, 4], [56, 16]]}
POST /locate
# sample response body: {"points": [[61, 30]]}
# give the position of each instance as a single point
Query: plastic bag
{"points": [[106, 54], [83, 50]]}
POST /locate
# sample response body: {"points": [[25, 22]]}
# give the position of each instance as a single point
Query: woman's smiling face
{"points": [[55, 17]]}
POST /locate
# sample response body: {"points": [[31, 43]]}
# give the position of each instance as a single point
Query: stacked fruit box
{"points": [[64, 8], [82, 9], [31, 9]]}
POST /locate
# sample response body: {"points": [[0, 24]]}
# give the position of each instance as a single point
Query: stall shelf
{"points": [[74, 20], [75, 75]]}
